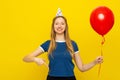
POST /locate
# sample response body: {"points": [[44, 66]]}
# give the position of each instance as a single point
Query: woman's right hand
{"points": [[39, 61]]}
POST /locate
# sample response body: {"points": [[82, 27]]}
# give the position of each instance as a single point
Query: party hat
{"points": [[59, 12]]}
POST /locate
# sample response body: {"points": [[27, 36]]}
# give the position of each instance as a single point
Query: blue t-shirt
{"points": [[60, 63]]}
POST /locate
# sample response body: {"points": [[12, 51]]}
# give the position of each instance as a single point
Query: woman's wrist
{"points": [[95, 62], [34, 59]]}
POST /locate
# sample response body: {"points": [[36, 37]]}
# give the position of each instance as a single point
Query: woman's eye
{"points": [[62, 23], [56, 23]]}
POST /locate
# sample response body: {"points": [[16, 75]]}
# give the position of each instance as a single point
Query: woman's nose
{"points": [[59, 25]]}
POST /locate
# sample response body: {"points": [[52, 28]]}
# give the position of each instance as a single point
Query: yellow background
{"points": [[25, 24]]}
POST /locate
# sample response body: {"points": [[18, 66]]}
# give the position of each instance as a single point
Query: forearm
{"points": [[28, 59], [88, 66], [84, 67], [32, 56]]}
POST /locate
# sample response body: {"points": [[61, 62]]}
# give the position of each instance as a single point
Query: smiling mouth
{"points": [[59, 29]]}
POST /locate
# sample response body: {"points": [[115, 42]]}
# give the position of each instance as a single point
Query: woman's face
{"points": [[59, 25]]}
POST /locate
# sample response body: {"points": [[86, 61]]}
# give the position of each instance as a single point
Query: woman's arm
{"points": [[84, 67], [32, 57]]}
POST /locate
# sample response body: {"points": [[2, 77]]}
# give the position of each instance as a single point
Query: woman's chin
{"points": [[59, 33]]}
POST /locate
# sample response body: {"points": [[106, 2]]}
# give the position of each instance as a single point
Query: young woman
{"points": [[61, 50]]}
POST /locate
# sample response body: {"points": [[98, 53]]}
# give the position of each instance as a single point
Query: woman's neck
{"points": [[60, 37]]}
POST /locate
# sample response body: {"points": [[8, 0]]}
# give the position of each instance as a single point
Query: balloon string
{"points": [[103, 41]]}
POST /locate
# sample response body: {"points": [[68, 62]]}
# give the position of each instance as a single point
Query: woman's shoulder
{"points": [[73, 41], [46, 42]]}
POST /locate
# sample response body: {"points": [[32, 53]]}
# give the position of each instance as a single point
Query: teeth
{"points": [[59, 29]]}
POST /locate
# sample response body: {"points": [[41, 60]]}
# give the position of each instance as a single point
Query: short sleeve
{"points": [[44, 46], [75, 47]]}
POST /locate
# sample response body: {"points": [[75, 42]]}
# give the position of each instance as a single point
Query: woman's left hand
{"points": [[99, 60]]}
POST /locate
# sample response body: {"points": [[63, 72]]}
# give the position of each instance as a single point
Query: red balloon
{"points": [[102, 20]]}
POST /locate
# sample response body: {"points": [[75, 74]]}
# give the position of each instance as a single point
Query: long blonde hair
{"points": [[52, 45]]}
